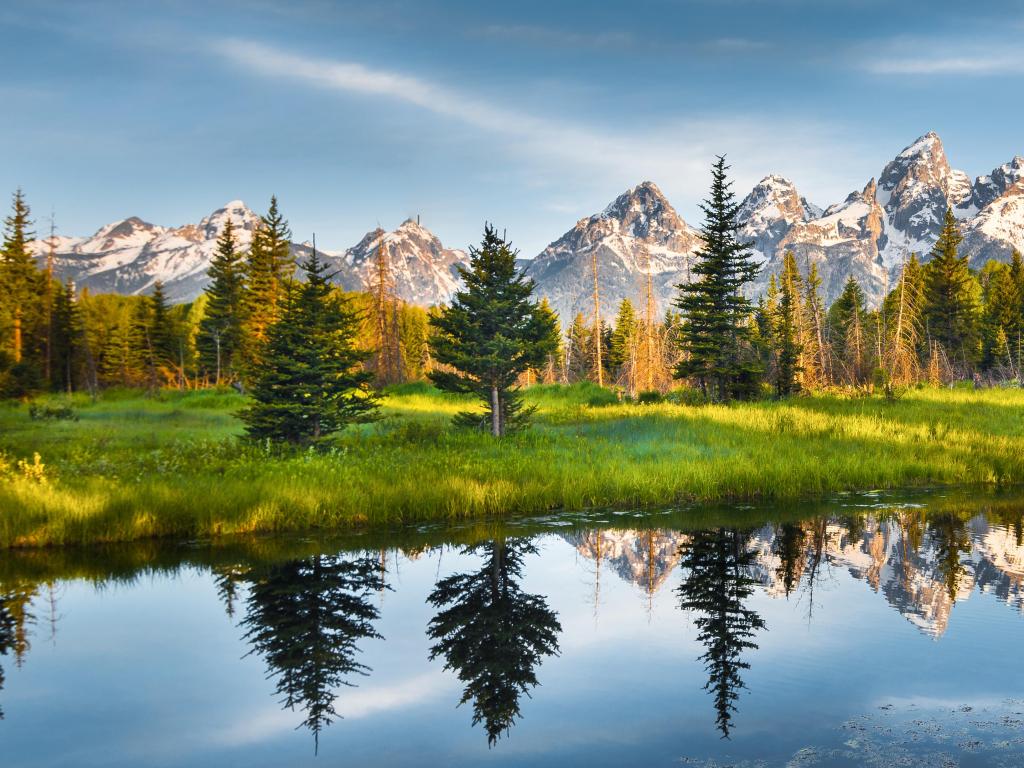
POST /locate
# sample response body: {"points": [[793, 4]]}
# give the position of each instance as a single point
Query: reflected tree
{"points": [[8, 629], [492, 634], [717, 583], [789, 548], [305, 618], [949, 533]]}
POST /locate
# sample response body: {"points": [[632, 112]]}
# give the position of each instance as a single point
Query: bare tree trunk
{"points": [[496, 426]]}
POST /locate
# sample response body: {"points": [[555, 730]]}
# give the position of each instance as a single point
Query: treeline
{"points": [[54, 337], [940, 322]]}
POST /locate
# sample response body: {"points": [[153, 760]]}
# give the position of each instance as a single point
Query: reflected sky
{"points": [[849, 634]]}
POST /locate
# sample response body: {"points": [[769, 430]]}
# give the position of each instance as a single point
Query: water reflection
{"points": [[305, 618], [309, 608], [715, 587], [492, 634]]}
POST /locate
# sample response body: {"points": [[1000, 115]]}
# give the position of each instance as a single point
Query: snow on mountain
{"points": [[129, 256], [637, 225], [770, 211], [998, 229], [422, 269]]}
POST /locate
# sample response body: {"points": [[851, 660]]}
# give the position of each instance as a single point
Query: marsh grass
{"points": [[133, 467]]}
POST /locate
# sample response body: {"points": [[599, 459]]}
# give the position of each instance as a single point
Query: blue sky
{"points": [[529, 114]]}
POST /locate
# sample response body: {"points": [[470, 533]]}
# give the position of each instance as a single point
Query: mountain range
{"points": [[867, 235]]}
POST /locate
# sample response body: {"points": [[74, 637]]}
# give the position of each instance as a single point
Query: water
{"points": [[875, 630]]}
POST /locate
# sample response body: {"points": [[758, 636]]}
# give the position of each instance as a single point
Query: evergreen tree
{"points": [[221, 328], [788, 545], [950, 303], [21, 305], [555, 361], [67, 338], [788, 345], [492, 333], [306, 618], [1001, 319], [716, 586], [268, 270], [846, 331], [715, 337], [814, 368], [900, 342], [310, 383], [623, 338], [578, 354], [492, 634]]}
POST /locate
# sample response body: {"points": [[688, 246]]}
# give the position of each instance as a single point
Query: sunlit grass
{"points": [[135, 467]]}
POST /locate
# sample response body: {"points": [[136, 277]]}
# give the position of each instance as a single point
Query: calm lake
{"points": [[874, 630]]}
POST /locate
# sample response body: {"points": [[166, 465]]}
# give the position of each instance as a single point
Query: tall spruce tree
{"points": [[492, 634], [623, 346], [846, 331], [67, 338], [577, 349], [788, 345], [950, 300], [310, 383], [21, 305], [220, 330], [1001, 319], [490, 334], [715, 337], [268, 271]]}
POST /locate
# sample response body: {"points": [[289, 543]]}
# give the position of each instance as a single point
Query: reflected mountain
{"points": [[492, 634], [716, 582], [921, 564], [305, 618]]}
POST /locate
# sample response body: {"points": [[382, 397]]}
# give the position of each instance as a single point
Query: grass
{"points": [[133, 467]]}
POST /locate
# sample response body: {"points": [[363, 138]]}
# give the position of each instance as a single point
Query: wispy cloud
{"points": [[554, 37], [939, 56], [575, 156]]}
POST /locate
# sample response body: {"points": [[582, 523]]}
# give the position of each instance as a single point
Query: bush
{"points": [[650, 397], [47, 412]]}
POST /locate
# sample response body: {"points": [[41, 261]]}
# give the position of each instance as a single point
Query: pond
{"points": [[875, 629]]}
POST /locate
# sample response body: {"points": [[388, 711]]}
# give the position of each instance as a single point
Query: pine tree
{"points": [[622, 348], [715, 337], [306, 618], [310, 383], [492, 634], [268, 271], [221, 328], [492, 333], [716, 585], [21, 305], [846, 333], [1001, 319], [550, 372], [66, 339], [577, 354], [788, 345], [950, 303], [814, 367]]}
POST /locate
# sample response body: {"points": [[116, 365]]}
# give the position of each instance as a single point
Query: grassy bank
{"points": [[133, 467]]}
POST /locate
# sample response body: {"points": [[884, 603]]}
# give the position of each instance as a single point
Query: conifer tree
{"points": [[67, 338], [788, 344], [492, 333], [901, 340], [1001, 319], [310, 383], [814, 365], [220, 330], [622, 347], [268, 270], [577, 353], [715, 336], [950, 303], [555, 360], [846, 331]]}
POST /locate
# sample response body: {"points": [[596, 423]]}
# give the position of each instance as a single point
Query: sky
{"points": [[527, 114]]}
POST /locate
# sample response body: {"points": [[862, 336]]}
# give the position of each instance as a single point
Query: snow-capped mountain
{"points": [[914, 580], [639, 225], [868, 235], [422, 270], [129, 256]]}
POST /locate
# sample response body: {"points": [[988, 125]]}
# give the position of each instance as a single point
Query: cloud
{"points": [[552, 37], [576, 158], [950, 57]]}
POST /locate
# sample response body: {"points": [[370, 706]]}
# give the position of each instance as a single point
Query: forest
{"points": [[276, 401]]}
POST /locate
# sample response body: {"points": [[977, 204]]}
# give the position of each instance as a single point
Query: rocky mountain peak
{"points": [[643, 211], [770, 210], [242, 217]]}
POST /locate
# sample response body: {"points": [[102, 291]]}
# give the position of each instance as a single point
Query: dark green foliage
{"points": [[68, 337], [306, 618], [787, 344], [492, 634], [1002, 325], [716, 333], [950, 300], [220, 331], [716, 584], [21, 305], [310, 383], [844, 312], [490, 334], [789, 547], [268, 270]]}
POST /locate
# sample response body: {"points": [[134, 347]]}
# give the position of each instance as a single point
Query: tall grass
{"points": [[133, 467]]}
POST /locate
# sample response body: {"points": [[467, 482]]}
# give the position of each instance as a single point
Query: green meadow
{"points": [[129, 467]]}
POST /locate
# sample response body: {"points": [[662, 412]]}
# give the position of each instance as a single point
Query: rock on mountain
{"points": [[998, 229], [638, 224], [129, 256], [770, 211], [423, 271]]}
